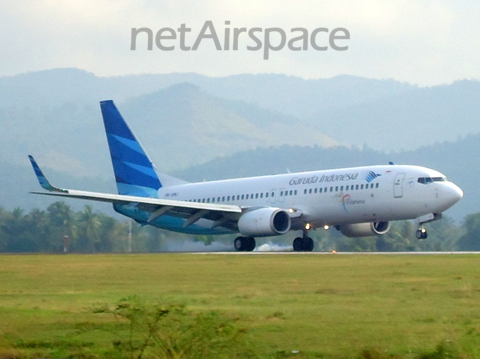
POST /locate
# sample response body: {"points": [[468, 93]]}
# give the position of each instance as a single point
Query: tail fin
{"points": [[134, 172]]}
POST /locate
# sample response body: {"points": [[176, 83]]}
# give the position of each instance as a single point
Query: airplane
{"points": [[358, 201]]}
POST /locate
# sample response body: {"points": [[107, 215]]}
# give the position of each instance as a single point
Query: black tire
{"points": [[421, 234], [308, 244], [418, 234], [239, 244], [249, 244], [298, 244]]}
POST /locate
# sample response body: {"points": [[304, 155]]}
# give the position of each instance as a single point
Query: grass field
{"points": [[332, 306]]}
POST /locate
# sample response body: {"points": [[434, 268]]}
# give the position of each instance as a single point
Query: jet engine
{"points": [[264, 222], [364, 229]]}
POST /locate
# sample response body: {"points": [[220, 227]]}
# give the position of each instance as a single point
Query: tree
{"points": [[470, 241], [89, 230], [39, 229], [63, 218]]}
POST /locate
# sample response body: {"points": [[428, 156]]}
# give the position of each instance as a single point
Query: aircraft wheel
{"points": [[307, 244], [249, 244], [298, 244], [239, 244], [421, 234]]}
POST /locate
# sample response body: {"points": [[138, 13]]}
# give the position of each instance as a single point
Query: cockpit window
{"points": [[426, 180]]}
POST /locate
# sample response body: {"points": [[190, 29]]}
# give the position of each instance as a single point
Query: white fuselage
{"points": [[331, 197]]}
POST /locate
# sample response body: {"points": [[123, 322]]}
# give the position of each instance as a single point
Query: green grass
{"points": [[334, 306]]}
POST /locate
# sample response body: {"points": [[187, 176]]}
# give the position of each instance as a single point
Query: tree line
{"points": [[59, 229]]}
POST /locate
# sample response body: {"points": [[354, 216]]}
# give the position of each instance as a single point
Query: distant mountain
{"points": [[178, 126], [299, 97], [183, 124], [407, 120], [384, 114], [286, 94]]}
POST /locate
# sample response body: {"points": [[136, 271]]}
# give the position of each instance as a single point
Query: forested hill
{"points": [[193, 118]]}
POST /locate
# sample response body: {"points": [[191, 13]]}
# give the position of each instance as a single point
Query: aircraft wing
{"points": [[191, 211]]}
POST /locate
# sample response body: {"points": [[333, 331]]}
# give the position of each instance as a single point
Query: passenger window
{"points": [[376, 186], [331, 189], [315, 190], [336, 188], [295, 192], [261, 195], [247, 196], [341, 188], [243, 196]]}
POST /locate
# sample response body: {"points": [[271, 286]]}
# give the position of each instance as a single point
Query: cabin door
{"points": [[398, 185]]}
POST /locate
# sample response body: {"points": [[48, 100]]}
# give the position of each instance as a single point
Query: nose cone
{"points": [[451, 194]]}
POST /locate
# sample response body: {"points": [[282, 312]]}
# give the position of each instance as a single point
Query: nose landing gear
{"points": [[421, 233]]}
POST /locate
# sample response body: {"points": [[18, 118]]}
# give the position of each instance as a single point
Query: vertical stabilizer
{"points": [[134, 172]]}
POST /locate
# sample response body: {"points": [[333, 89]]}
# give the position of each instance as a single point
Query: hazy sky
{"points": [[426, 42]]}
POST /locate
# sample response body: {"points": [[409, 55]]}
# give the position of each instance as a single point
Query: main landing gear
{"points": [[303, 244], [244, 244], [421, 233]]}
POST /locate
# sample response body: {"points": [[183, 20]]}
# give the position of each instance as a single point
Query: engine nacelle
{"points": [[264, 222], [364, 229]]}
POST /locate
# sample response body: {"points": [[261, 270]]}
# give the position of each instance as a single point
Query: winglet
{"points": [[42, 179]]}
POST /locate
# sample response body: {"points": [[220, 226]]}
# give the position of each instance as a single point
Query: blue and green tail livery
{"points": [[134, 172]]}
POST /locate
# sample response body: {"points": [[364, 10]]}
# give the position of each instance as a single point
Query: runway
{"points": [[254, 253]]}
